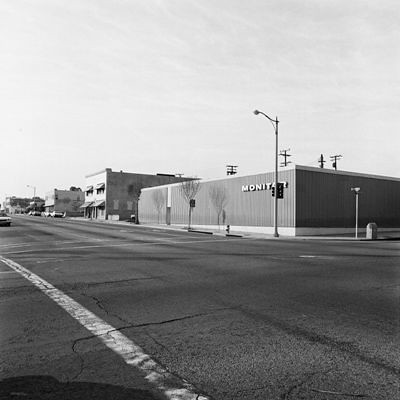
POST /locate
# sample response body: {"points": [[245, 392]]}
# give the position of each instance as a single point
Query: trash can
{"points": [[372, 231]]}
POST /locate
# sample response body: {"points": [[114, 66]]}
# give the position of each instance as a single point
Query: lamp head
{"points": [[256, 112], [356, 189]]}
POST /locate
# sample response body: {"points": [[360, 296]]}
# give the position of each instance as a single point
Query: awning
{"points": [[98, 203], [100, 186], [86, 205], [89, 188]]}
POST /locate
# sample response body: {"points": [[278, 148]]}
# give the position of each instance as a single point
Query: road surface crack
{"points": [[307, 377], [81, 359], [103, 308]]}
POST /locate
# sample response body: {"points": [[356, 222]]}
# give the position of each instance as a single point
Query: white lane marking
{"points": [[162, 242], [8, 272], [16, 244], [131, 353], [306, 256], [50, 260]]}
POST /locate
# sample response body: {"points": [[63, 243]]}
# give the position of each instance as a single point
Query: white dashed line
{"points": [[307, 256], [131, 353]]}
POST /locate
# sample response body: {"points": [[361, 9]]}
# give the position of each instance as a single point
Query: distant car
{"points": [[46, 214], [36, 213], [57, 214], [5, 219]]}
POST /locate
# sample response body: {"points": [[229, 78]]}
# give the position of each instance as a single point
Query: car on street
{"points": [[36, 213], [5, 220]]}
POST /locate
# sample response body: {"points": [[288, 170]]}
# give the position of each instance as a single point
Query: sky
{"points": [[169, 86]]}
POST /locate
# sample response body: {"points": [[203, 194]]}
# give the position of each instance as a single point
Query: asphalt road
{"points": [[222, 318]]}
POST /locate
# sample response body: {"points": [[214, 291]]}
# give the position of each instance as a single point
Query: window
{"points": [[116, 204], [129, 205]]}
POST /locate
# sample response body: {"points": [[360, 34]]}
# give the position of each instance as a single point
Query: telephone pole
{"points": [[334, 159], [231, 169], [285, 155], [321, 161]]}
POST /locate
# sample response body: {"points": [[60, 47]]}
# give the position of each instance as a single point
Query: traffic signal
{"points": [[273, 191], [280, 191]]}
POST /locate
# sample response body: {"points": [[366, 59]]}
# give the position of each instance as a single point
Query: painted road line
{"points": [[161, 242], [130, 352]]}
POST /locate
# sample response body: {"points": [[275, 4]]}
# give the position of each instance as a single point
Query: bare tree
{"points": [[219, 199], [189, 190], [134, 191], [159, 201]]}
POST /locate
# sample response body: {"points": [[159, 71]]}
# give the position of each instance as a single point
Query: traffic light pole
{"points": [[274, 122]]}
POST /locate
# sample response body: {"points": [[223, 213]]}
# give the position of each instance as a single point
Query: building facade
{"points": [[65, 201], [315, 201], [16, 205], [114, 195]]}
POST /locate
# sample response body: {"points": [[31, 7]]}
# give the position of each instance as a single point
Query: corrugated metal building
{"points": [[316, 201]]}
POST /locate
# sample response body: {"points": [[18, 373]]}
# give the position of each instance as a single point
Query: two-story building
{"points": [[16, 205], [114, 195], [65, 201]]}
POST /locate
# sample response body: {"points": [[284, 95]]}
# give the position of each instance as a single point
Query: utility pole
{"points": [[231, 169], [334, 159], [285, 155], [321, 161]]}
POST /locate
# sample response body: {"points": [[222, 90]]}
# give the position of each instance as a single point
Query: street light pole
{"points": [[274, 122], [34, 191], [356, 191]]}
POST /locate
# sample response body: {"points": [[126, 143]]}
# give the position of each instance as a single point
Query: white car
{"points": [[5, 219], [57, 214]]}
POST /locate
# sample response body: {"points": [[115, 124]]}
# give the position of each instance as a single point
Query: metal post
{"points": [[356, 214], [356, 191], [276, 234]]}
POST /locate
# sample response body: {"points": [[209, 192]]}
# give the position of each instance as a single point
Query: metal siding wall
{"points": [[325, 199], [242, 209]]}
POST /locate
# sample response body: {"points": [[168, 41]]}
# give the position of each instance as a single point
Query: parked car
{"points": [[36, 213], [46, 214], [5, 219], [57, 214]]}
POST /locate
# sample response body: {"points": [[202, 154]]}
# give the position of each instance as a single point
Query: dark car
{"points": [[5, 220]]}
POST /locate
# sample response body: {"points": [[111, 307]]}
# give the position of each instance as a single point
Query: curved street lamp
{"points": [[274, 122], [34, 191]]}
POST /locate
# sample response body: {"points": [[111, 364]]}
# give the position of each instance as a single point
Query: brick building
{"points": [[65, 201], [114, 195]]}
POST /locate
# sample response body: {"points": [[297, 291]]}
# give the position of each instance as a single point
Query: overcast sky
{"points": [[170, 85]]}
